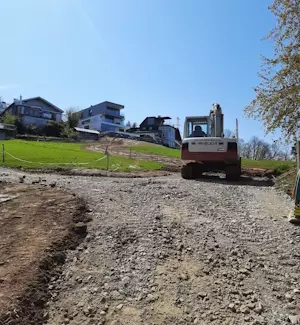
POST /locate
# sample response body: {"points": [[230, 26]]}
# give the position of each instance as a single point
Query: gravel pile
{"points": [[169, 251]]}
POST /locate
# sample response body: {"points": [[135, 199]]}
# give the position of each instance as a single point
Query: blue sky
{"points": [[156, 57]]}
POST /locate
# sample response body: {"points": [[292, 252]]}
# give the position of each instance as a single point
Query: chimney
{"points": [[20, 99]]}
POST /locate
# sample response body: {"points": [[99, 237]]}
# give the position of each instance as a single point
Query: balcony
{"points": [[10, 127], [114, 113], [113, 121]]}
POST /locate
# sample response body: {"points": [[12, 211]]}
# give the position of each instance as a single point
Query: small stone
{"points": [[289, 297], [52, 184], [259, 308], [120, 306], [150, 298], [202, 294], [244, 271], [184, 277], [294, 319], [102, 313], [232, 307], [80, 228], [244, 309]]}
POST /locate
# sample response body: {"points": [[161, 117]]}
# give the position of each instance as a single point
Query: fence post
{"points": [[3, 154], [107, 160], [298, 154]]}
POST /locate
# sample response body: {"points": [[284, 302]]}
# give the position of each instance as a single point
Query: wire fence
{"points": [[115, 155], [7, 155]]}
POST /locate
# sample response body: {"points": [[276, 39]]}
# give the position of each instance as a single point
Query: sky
{"points": [[156, 57]]}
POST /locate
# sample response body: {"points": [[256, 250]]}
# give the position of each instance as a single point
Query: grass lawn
{"points": [[56, 154], [156, 150], [279, 166]]}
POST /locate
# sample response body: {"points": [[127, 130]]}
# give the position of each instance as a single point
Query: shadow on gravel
{"points": [[245, 180]]}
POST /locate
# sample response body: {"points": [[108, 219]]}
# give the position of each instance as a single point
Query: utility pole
{"points": [[178, 122]]}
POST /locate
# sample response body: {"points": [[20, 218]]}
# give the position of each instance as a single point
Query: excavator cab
{"points": [[191, 124], [212, 125]]}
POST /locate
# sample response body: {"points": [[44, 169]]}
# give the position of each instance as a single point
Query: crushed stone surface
{"points": [[170, 251]]}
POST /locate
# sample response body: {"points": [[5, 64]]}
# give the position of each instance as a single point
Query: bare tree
{"points": [[229, 133], [256, 149]]}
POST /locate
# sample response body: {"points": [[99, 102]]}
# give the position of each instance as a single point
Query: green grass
{"points": [[156, 150], [57, 154], [278, 166]]}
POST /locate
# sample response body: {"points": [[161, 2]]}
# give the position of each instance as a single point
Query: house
{"points": [[155, 128], [34, 111], [85, 134], [103, 117], [3, 105], [7, 131]]}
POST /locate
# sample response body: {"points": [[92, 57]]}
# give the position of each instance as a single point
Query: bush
{"points": [[53, 129]]}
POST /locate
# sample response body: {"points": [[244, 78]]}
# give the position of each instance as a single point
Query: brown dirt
{"points": [[99, 172], [287, 181], [121, 147], [38, 226]]}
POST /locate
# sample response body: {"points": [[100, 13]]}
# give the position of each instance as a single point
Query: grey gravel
{"points": [[169, 251]]}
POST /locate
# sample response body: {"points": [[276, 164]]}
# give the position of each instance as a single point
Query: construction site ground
{"points": [[158, 250]]}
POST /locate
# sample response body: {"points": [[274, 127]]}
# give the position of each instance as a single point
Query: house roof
{"points": [[86, 130], [115, 104], [38, 97], [44, 100], [160, 117]]}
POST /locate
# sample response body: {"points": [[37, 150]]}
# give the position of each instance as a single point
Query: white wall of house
{"points": [[100, 123], [168, 135]]}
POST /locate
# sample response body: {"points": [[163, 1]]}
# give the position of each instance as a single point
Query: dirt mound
{"points": [[38, 225], [287, 181]]}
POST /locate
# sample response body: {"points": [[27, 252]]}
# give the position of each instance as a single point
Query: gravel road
{"points": [[169, 251]]}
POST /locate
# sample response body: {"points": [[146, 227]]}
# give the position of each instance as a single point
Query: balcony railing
{"points": [[114, 113], [7, 127]]}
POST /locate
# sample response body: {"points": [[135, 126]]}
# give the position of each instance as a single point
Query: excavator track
{"points": [[191, 171]]}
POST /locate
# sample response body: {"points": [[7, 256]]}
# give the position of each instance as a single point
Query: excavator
{"points": [[209, 151]]}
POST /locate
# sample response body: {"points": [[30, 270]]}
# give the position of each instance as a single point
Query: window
{"points": [[150, 121], [47, 115]]}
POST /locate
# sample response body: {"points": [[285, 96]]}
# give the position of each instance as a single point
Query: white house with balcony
{"points": [[102, 117]]}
